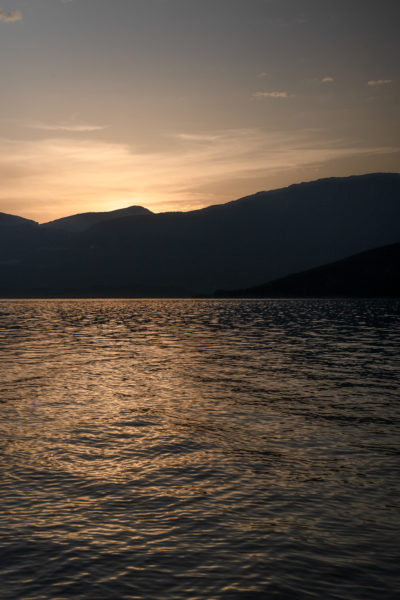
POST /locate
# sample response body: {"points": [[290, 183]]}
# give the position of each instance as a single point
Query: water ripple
{"points": [[199, 450]]}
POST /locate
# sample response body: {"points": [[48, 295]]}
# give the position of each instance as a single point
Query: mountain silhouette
{"points": [[243, 243], [373, 273], [82, 221], [13, 221]]}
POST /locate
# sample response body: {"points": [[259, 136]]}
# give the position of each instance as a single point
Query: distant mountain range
{"points": [[234, 246]]}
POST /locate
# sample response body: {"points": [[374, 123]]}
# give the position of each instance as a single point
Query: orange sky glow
{"points": [[177, 105]]}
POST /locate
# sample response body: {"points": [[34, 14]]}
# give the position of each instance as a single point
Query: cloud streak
{"points": [[78, 128], [380, 81], [10, 17], [274, 94]]}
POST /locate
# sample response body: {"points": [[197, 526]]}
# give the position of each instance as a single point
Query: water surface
{"points": [[199, 449]]}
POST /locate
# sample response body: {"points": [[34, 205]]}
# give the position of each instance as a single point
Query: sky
{"points": [[179, 104]]}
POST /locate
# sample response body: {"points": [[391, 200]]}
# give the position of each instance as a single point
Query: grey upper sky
{"points": [[176, 104]]}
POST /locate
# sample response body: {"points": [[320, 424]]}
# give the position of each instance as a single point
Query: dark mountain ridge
{"points": [[83, 221], [232, 246]]}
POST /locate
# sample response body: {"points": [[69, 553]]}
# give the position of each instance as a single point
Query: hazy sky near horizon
{"points": [[178, 104]]}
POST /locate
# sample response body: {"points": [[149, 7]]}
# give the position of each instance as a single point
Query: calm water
{"points": [[186, 449]]}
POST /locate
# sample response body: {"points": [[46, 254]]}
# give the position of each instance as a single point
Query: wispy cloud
{"points": [[262, 74], [201, 138], [327, 80], [73, 128], [274, 94], [380, 81], [10, 17]]}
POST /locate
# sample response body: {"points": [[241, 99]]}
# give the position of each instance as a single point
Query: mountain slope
{"points": [[7, 220], [374, 273], [18, 236]]}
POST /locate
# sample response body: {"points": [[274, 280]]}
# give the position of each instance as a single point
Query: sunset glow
{"points": [[176, 105]]}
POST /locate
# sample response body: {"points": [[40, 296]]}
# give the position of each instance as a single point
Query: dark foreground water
{"points": [[199, 450]]}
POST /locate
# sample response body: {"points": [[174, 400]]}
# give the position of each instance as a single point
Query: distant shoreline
{"points": [[200, 297]]}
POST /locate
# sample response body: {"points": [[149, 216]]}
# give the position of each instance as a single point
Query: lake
{"points": [[199, 449]]}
